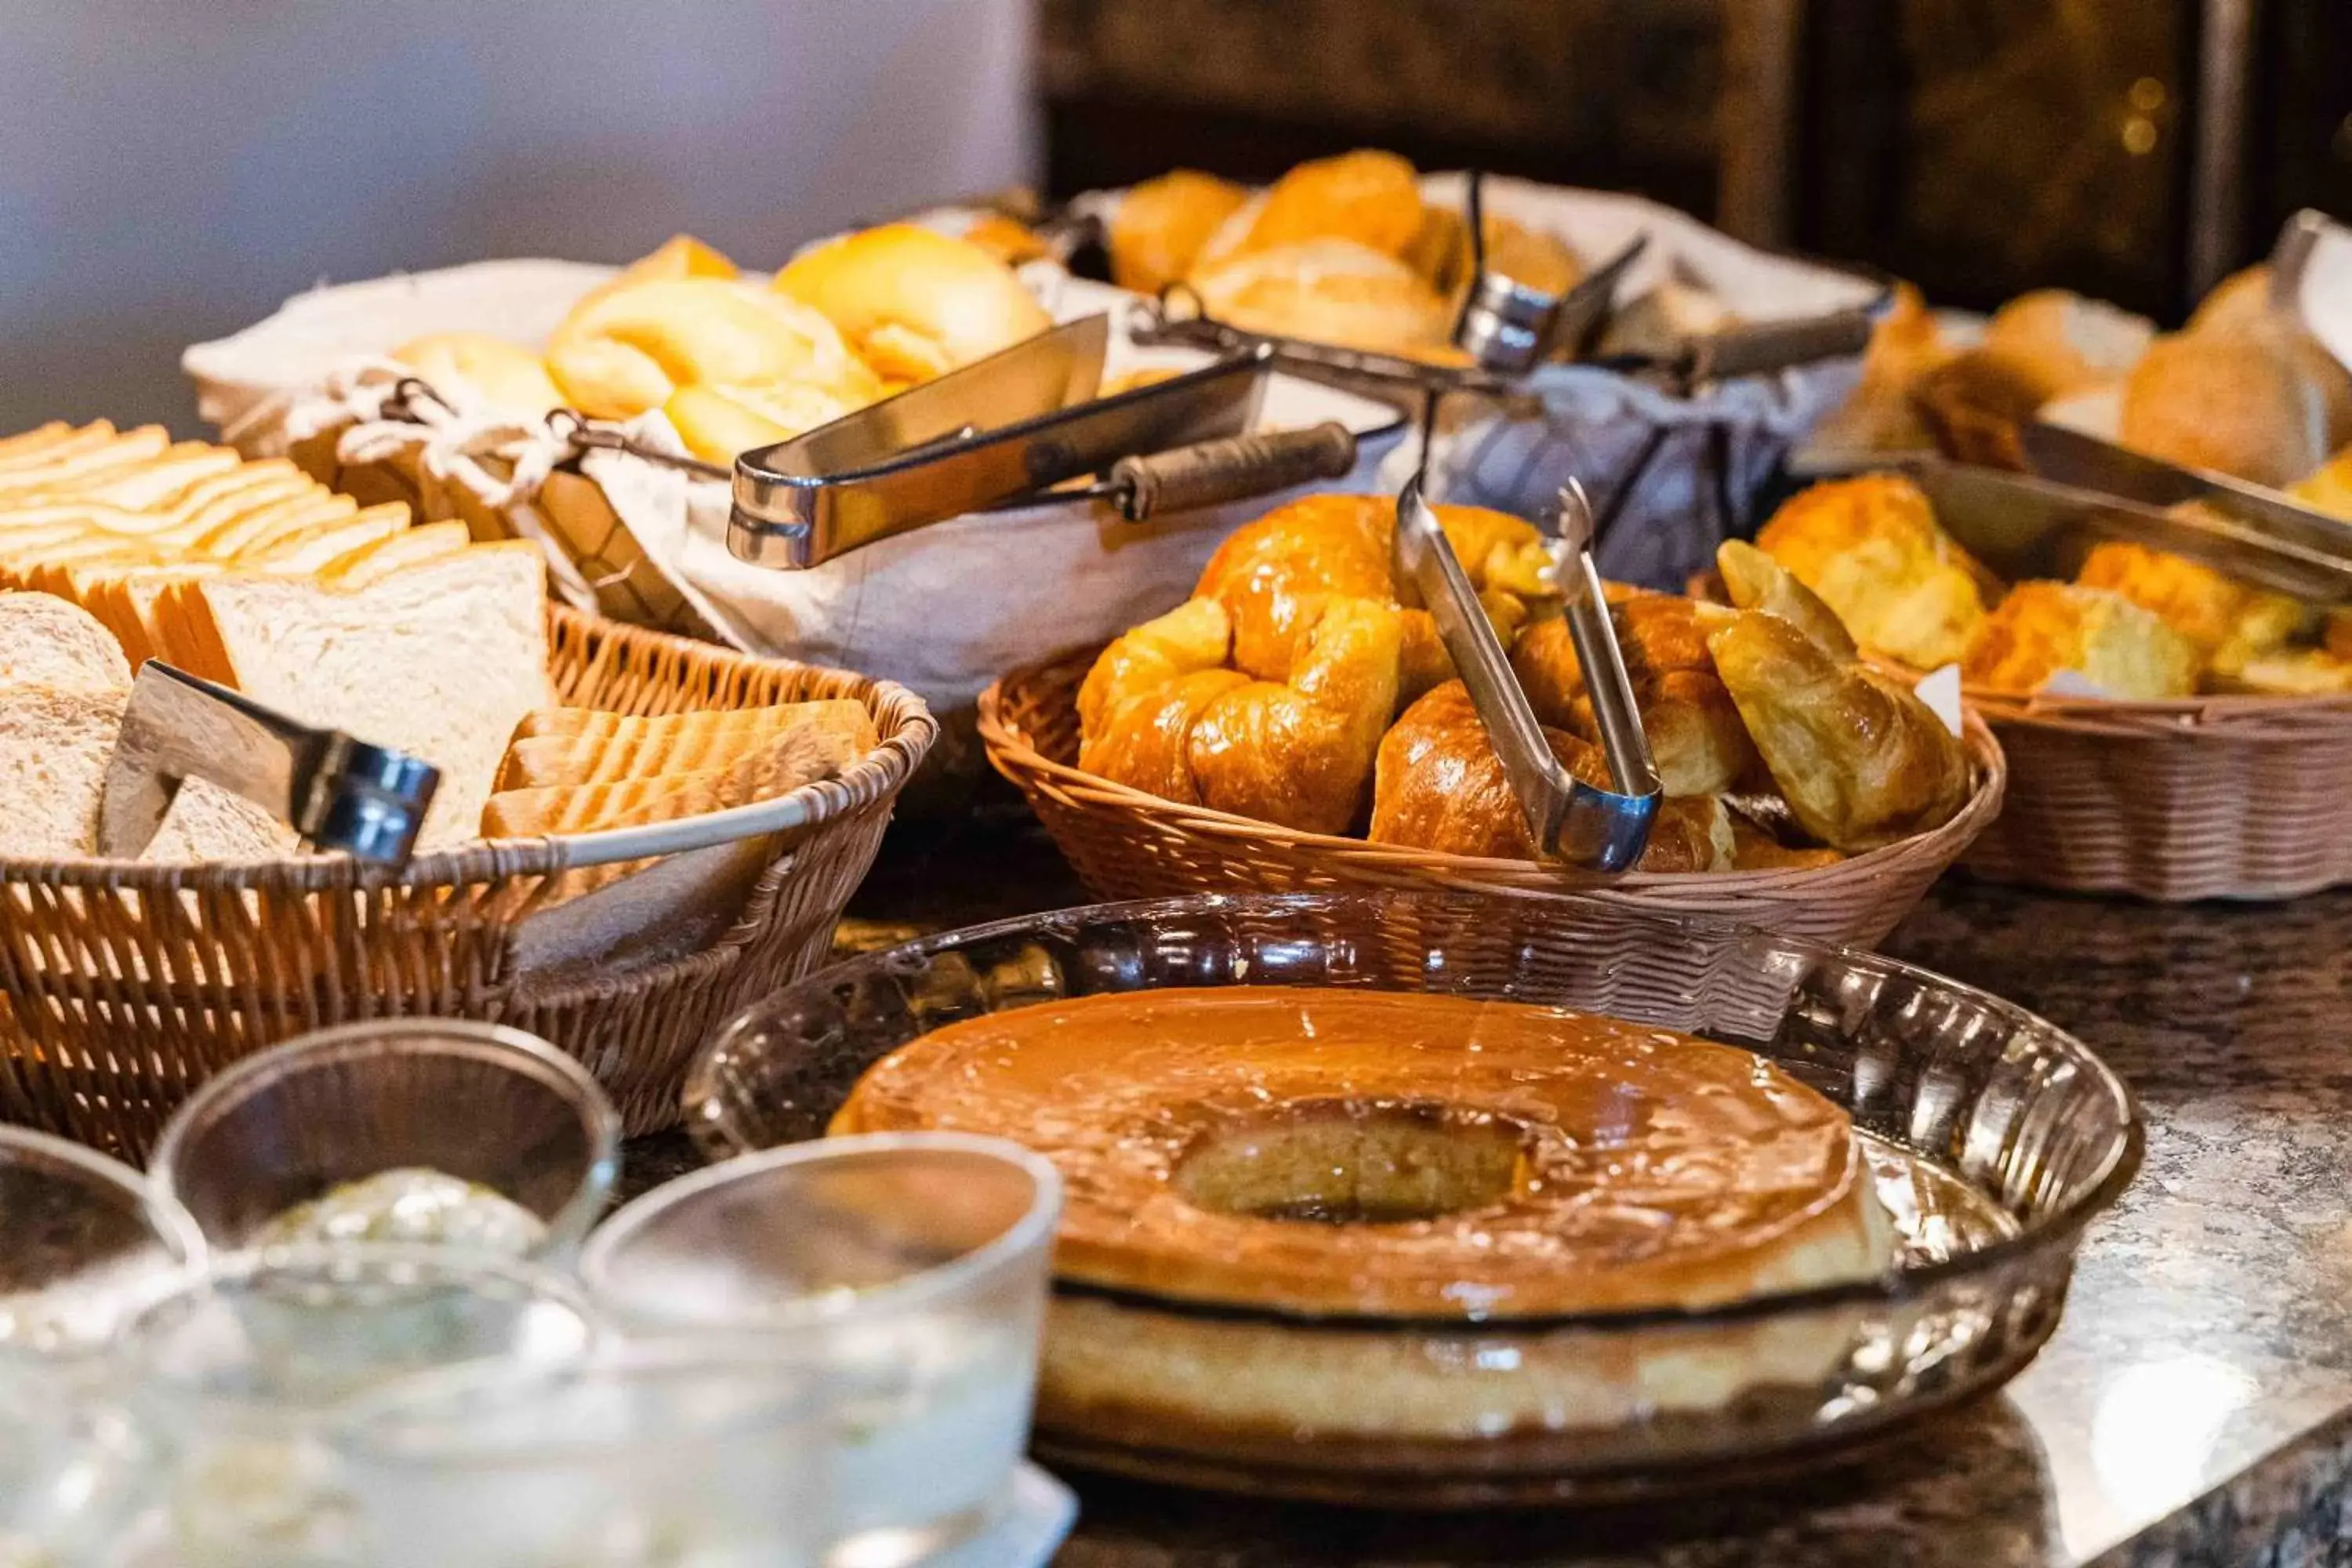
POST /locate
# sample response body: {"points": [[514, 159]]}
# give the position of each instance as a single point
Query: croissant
{"points": [[1695, 735], [1156, 713], [1860, 759], [1439, 786], [1273, 574]]}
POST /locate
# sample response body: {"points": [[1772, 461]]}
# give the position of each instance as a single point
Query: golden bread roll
{"points": [[1161, 225], [1905, 346], [1696, 734], [719, 422], [1441, 254], [914, 303], [1870, 548], [1861, 760], [2067, 343], [505, 376], [1329, 291], [1753, 849], [1012, 243], [2236, 404], [2211, 610], [2043, 628], [2282, 672], [2241, 307], [628, 350], [680, 255], [1370, 198], [1273, 576]]}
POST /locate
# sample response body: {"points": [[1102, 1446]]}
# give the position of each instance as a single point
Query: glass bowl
{"points": [[491, 1105], [1993, 1139], [906, 1272], [632, 1457]]}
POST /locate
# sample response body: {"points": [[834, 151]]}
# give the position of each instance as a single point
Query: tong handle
{"points": [[1762, 347], [1235, 468]]}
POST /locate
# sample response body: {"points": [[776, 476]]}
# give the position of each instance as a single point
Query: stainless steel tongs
{"points": [[338, 793], [1013, 425]]}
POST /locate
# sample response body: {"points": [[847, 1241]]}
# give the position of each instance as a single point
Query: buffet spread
{"points": [[1411, 1146]]}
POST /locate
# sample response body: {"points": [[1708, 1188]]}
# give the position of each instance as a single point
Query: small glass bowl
{"points": [[639, 1457], [237, 1379], [483, 1104], [1993, 1139], [85, 1242], [907, 1272]]}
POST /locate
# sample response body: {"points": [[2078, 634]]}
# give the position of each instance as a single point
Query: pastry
{"points": [[1861, 760], [913, 302], [1696, 734], [2042, 630], [1871, 549], [1278, 1155], [2214, 612], [1880, 415], [1297, 752], [2065, 343], [1161, 225]]}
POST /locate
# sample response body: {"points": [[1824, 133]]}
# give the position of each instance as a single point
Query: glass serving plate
{"points": [[1993, 1138]]}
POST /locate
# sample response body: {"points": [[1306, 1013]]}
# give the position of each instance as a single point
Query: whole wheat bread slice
{"points": [[45, 641]]}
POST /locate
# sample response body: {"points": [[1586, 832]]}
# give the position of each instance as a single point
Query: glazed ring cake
{"points": [[1264, 1182]]}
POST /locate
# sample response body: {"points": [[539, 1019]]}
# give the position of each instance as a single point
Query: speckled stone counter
{"points": [[2195, 1409]]}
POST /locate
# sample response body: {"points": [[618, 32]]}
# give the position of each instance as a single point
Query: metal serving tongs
{"points": [[1012, 426], [339, 793], [1604, 829]]}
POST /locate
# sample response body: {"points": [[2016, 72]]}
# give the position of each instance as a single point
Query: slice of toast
{"points": [[45, 641], [583, 746]]}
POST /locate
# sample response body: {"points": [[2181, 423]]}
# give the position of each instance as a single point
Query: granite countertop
{"points": [[2195, 1407]]}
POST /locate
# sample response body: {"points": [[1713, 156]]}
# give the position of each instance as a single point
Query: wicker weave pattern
{"points": [[1126, 844], [2235, 797], [127, 985]]}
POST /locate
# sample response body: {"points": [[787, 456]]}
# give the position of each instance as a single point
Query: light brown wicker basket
{"points": [[123, 985], [1126, 844], [2218, 798]]}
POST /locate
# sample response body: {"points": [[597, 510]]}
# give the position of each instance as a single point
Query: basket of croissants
{"points": [[2172, 733], [1293, 726]]}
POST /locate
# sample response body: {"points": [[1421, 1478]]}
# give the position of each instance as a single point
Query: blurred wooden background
{"points": [[2135, 149]]}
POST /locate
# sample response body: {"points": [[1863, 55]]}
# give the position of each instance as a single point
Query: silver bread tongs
{"points": [[1011, 427], [1604, 829], [338, 793]]}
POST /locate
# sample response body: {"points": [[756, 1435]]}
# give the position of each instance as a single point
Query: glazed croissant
{"points": [[1860, 758], [1157, 713], [1273, 576], [1439, 786], [1695, 735]]}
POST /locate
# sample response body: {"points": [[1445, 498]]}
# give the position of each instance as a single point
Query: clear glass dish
{"points": [[907, 1274], [1993, 1139], [491, 1105]]}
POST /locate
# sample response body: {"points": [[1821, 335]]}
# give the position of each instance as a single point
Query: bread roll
{"points": [[1441, 254], [1369, 198], [2068, 344], [628, 350], [1161, 225], [2236, 404], [1905, 346], [1330, 291], [2241, 307], [486, 369], [913, 302]]}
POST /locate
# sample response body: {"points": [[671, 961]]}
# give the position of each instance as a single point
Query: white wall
{"points": [[170, 170]]}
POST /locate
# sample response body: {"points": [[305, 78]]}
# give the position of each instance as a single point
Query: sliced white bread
{"points": [[54, 748], [371, 563], [583, 746], [117, 456], [89, 437], [45, 641], [442, 659], [207, 822], [783, 763]]}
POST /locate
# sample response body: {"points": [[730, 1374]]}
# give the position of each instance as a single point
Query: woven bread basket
{"points": [[1126, 844], [2218, 798], [122, 985]]}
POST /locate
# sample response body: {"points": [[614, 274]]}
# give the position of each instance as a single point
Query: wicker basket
{"points": [[1126, 844], [2222, 797], [123, 985]]}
